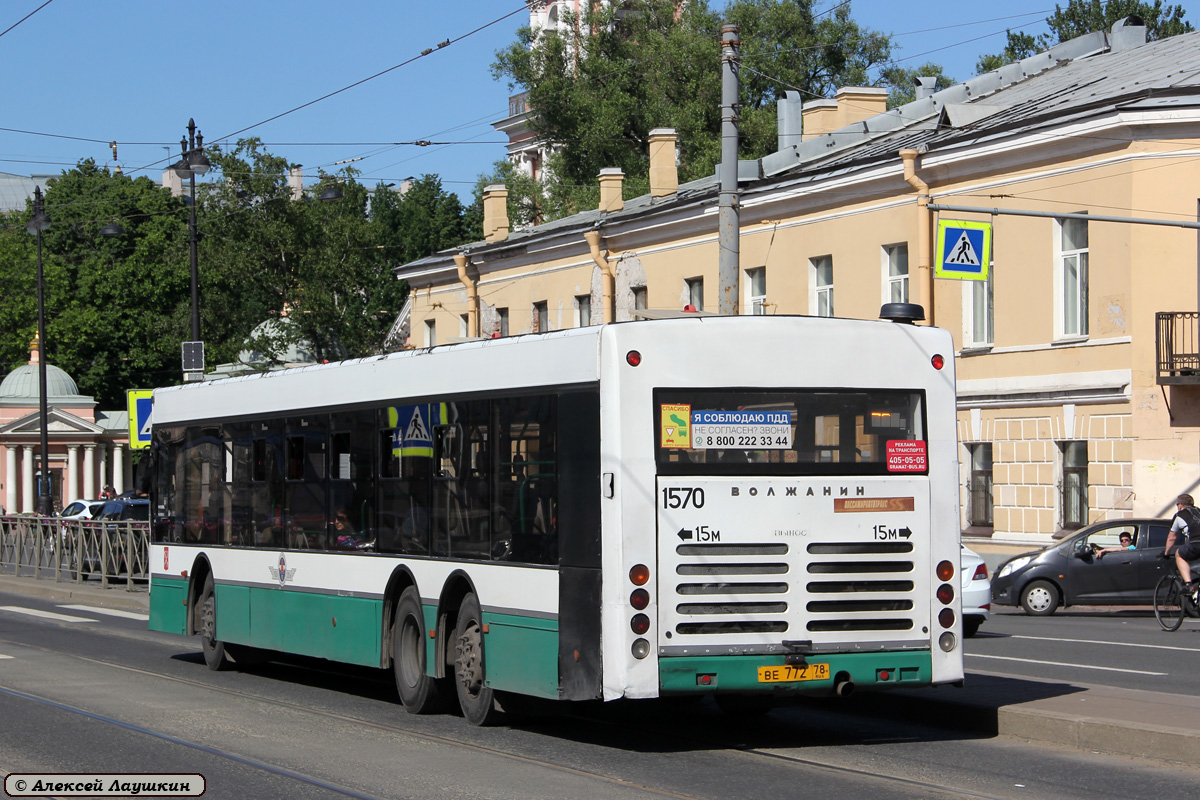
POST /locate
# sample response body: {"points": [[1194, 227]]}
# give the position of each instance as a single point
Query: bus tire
{"points": [[419, 692], [206, 625], [474, 696]]}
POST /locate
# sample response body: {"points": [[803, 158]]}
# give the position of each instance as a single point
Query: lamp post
{"points": [[39, 223], [193, 163]]}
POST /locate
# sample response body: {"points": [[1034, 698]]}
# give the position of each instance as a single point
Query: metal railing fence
{"points": [[64, 550]]}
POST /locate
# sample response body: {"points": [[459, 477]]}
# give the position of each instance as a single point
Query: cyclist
{"points": [[1187, 522]]}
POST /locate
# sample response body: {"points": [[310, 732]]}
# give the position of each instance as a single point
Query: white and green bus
{"points": [[734, 506]]}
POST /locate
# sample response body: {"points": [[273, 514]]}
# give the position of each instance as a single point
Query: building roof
{"points": [[15, 190], [1075, 80]]}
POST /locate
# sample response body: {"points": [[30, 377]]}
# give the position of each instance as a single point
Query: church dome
{"points": [[22, 382]]}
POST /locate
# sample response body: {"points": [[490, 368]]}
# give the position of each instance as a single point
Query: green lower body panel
{"points": [[347, 629], [521, 654], [901, 669], [168, 606]]}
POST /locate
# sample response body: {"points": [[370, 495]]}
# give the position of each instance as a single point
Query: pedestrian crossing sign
{"points": [[140, 403], [964, 250]]}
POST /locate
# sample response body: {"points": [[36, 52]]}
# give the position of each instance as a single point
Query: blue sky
{"points": [[81, 73]]}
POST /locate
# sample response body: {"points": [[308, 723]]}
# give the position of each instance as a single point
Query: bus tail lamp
{"points": [[640, 649], [640, 574], [640, 624], [938, 361], [945, 570], [639, 599], [633, 358], [947, 642], [945, 594], [946, 618]]}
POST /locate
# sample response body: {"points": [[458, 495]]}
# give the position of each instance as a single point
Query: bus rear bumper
{"points": [[825, 675]]}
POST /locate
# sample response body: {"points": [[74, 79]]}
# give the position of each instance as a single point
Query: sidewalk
{"points": [[1102, 718]]}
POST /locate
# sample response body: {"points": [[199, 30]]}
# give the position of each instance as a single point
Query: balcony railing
{"points": [[1177, 343]]}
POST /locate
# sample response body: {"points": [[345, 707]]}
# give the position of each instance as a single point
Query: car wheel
{"points": [[1040, 598]]}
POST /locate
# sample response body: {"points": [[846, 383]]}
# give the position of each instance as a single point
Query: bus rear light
{"points": [[633, 358], [640, 574], [937, 361], [640, 624], [946, 618], [639, 599], [945, 571], [640, 649], [883, 675], [945, 594], [947, 642], [706, 679]]}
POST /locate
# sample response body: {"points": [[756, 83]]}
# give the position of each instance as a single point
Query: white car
{"points": [[976, 592], [81, 509]]}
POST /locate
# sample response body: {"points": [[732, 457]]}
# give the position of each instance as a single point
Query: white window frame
{"points": [[430, 333], [695, 292], [541, 316], [895, 281], [464, 326], [979, 329], [756, 301], [820, 294], [502, 320], [1064, 296]]}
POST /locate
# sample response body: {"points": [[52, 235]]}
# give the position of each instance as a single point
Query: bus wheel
{"points": [[418, 691], [214, 651], [475, 698]]}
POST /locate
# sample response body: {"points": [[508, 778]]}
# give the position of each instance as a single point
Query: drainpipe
{"points": [[924, 220], [460, 261], [609, 280]]}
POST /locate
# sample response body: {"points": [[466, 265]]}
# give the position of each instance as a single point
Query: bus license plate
{"points": [[793, 672]]}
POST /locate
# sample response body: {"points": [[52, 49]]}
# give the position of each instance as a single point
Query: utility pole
{"points": [[728, 264]]}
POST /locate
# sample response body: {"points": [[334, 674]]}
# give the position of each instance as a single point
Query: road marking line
{"points": [[1098, 641], [2, 656], [1066, 664], [112, 612], [33, 612]]}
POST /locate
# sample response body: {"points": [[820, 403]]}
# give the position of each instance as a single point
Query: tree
{"points": [[602, 82], [1085, 16], [114, 308]]}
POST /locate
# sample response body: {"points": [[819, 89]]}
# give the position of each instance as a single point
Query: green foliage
{"points": [[902, 81], [118, 309], [1084, 16], [601, 87]]}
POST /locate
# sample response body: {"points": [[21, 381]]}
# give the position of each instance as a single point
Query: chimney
{"points": [[664, 174], [926, 86], [818, 117], [611, 179], [296, 181], [495, 213], [789, 110], [856, 103], [1127, 33], [172, 182]]}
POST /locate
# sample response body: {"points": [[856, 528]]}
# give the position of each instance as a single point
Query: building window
{"points": [[821, 274], [639, 298], [979, 507], [979, 311], [695, 292], [464, 326], [896, 279], [1073, 276], [583, 310], [1074, 484], [430, 333], [541, 317], [502, 321], [756, 294]]}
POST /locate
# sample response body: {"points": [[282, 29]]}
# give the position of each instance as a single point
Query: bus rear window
{"points": [[789, 431]]}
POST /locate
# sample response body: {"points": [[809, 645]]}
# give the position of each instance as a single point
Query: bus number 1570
{"points": [[683, 498]]}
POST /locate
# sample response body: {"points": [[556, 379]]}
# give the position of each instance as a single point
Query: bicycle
{"points": [[1172, 599]]}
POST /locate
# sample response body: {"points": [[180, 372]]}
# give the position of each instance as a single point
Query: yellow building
{"points": [[1075, 404]]}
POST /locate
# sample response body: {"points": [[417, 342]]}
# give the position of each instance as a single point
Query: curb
{"points": [[116, 597]]}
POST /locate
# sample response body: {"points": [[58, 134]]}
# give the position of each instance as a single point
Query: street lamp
{"points": [[39, 223], [193, 163]]}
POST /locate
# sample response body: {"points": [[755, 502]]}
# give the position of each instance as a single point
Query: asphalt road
{"points": [[100, 693]]}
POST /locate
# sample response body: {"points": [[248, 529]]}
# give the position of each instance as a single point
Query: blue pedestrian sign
{"points": [[140, 403], [964, 250]]}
